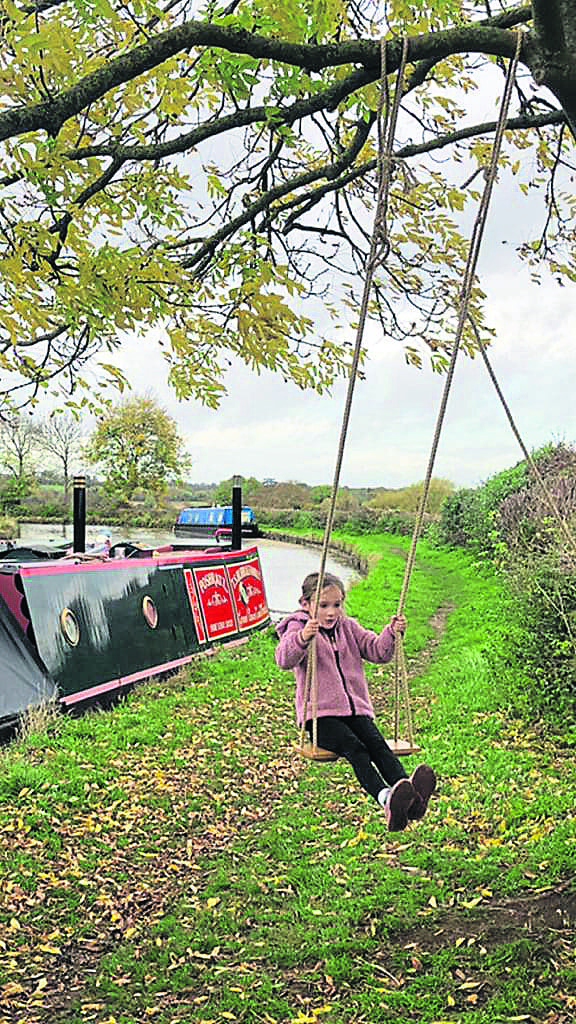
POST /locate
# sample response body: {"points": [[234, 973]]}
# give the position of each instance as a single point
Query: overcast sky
{"points": [[266, 428]]}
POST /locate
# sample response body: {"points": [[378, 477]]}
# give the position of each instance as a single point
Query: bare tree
{"points": [[18, 442], [63, 436]]}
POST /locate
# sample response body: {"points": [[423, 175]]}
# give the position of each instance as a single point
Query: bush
{"points": [[544, 640], [47, 512], [509, 521], [359, 522], [408, 499], [14, 493], [9, 528], [511, 508]]}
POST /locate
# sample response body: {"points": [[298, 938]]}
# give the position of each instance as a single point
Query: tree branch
{"points": [[332, 171], [51, 114]]}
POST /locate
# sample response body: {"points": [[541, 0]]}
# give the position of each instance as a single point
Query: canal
{"points": [[284, 565]]}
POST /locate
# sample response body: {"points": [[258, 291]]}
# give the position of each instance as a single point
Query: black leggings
{"points": [[357, 739]]}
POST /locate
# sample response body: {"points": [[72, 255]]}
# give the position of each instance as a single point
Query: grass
{"points": [[171, 861]]}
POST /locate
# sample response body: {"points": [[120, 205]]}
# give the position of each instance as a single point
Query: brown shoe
{"points": [[400, 800], [423, 779]]}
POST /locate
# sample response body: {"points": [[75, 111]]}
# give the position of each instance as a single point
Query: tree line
{"points": [[134, 444], [139, 461]]}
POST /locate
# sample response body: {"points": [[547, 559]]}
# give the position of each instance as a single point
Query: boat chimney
{"points": [[236, 514], [79, 492]]}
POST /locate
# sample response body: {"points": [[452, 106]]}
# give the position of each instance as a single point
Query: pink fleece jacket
{"points": [[342, 686]]}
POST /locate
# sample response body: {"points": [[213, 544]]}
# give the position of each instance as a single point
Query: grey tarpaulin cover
{"points": [[24, 682]]}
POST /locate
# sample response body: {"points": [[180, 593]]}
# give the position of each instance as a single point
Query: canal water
{"points": [[284, 565]]}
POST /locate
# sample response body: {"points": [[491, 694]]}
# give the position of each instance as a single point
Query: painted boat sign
{"points": [[248, 592], [216, 601], [195, 606]]}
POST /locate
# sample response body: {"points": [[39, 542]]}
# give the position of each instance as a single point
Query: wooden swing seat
{"points": [[402, 748], [307, 749]]}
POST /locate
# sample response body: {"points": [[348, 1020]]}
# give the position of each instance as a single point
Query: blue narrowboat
{"points": [[214, 521]]}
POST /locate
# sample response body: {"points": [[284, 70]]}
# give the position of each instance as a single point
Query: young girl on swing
{"points": [[345, 718]]}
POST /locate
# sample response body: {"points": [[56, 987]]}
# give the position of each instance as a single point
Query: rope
{"points": [[379, 246], [465, 296]]}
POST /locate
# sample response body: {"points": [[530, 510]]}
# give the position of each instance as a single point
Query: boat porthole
{"points": [[70, 628], [150, 611]]}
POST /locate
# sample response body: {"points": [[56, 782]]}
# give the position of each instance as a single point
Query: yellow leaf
{"points": [[213, 902], [357, 839], [12, 989]]}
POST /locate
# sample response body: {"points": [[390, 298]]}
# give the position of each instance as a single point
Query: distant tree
{"points": [[223, 493], [18, 439], [291, 494], [346, 500], [63, 436], [408, 499], [138, 445], [18, 443], [320, 493]]}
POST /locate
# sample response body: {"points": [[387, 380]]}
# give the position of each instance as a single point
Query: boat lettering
{"points": [[212, 579], [228, 624], [242, 572]]}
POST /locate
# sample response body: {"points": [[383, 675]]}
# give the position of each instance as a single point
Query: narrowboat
{"points": [[216, 521], [80, 626]]}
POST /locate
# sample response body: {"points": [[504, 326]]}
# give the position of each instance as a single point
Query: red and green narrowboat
{"points": [[77, 627]]}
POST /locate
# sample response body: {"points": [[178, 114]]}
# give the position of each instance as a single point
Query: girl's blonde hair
{"points": [[311, 582]]}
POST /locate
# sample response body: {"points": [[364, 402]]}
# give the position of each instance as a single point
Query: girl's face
{"points": [[330, 606]]}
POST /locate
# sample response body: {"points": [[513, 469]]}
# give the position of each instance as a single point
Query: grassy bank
{"points": [[173, 862]]}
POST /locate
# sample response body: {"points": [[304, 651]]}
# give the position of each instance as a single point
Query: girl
{"points": [[345, 722]]}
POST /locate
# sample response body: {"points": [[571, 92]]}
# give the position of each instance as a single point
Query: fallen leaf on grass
{"points": [[12, 989]]}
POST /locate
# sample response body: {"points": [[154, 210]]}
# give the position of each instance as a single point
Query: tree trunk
{"points": [[550, 52]]}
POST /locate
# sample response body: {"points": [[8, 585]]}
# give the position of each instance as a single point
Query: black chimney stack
{"points": [[236, 514], [79, 514]]}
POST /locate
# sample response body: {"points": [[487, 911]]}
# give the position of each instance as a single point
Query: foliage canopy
{"points": [[139, 446], [209, 176]]}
